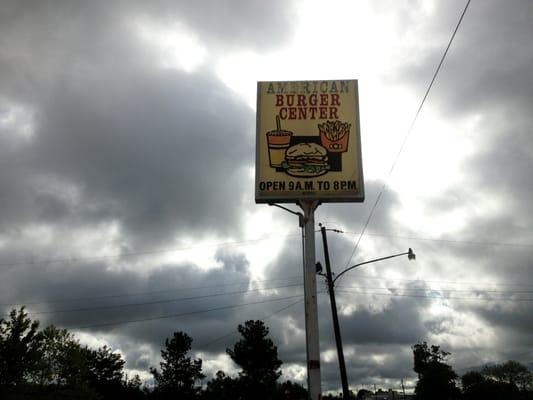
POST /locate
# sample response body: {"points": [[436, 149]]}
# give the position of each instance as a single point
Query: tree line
{"points": [[437, 380], [50, 363]]}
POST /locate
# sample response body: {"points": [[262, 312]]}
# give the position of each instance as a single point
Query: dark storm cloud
{"points": [[399, 323], [164, 154], [488, 64], [254, 24], [238, 23], [154, 150], [91, 294], [382, 365]]}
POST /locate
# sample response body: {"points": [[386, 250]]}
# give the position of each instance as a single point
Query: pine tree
{"points": [[20, 348], [179, 373], [257, 355]]}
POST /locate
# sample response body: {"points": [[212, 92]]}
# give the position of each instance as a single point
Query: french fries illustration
{"points": [[334, 135]]}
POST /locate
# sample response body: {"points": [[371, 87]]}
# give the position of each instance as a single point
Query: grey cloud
{"points": [[151, 149], [165, 154], [400, 323], [484, 68], [150, 160], [237, 23], [82, 286]]}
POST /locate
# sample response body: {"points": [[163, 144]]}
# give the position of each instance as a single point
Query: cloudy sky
{"points": [[127, 145]]}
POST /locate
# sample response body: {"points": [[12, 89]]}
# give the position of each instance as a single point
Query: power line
{"points": [[476, 291], [166, 316], [145, 303], [138, 253], [442, 281], [207, 344], [106, 296], [454, 241], [380, 194], [425, 296]]}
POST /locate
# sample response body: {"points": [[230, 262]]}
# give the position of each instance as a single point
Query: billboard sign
{"points": [[308, 144]]}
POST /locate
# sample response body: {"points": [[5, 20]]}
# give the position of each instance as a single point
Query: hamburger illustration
{"points": [[306, 160]]}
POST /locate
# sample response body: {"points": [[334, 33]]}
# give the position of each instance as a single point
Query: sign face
{"points": [[308, 144]]}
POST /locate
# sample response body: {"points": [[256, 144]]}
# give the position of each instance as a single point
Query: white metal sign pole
{"points": [[311, 309]]}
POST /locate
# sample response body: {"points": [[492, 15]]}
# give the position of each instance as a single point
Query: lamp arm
{"points": [[368, 262]]}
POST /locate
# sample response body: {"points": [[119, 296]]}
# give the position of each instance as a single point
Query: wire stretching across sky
{"points": [[144, 293], [150, 303], [141, 253], [167, 316], [380, 194]]}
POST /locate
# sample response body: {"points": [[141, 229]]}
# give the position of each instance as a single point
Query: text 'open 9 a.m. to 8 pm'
{"points": [[307, 185]]}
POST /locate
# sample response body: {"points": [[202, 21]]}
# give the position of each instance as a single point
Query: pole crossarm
{"points": [[408, 253]]}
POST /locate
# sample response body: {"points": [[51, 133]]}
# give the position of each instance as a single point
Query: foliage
{"points": [[51, 364], [511, 372], [60, 362], [179, 373], [476, 386], [132, 388], [436, 379], [508, 381], [362, 393], [104, 371], [290, 390], [340, 396], [257, 356], [222, 387], [20, 348]]}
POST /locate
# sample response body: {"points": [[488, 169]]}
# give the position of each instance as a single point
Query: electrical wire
{"points": [[382, 190], [207, 344], [453, 241], [146, 303], [523, 284], [476, 291], [167, 316], [435, 297], [108, 296], [138, 253]]}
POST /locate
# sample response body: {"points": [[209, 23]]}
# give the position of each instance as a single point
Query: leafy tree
{"points": [[132, 388], [507, 381], [436, 379], [362, 393], [179, 373], [256, 354], [105, 371], [222, 387], [293, 391], [58, 363], [477, 386], [20, 348], [511, 372]]}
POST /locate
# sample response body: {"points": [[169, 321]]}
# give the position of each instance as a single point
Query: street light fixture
{"points": [[330, 281]]}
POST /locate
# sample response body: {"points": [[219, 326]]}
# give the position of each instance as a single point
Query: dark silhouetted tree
{"points": [[507, 381], [179, 373], [436, 379], [362, 393], [222, 387], [105, 371], [20, 348], [132, 388], [291, 391], [476, 386], [511, 372], [258, 358], [61, 362]]}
